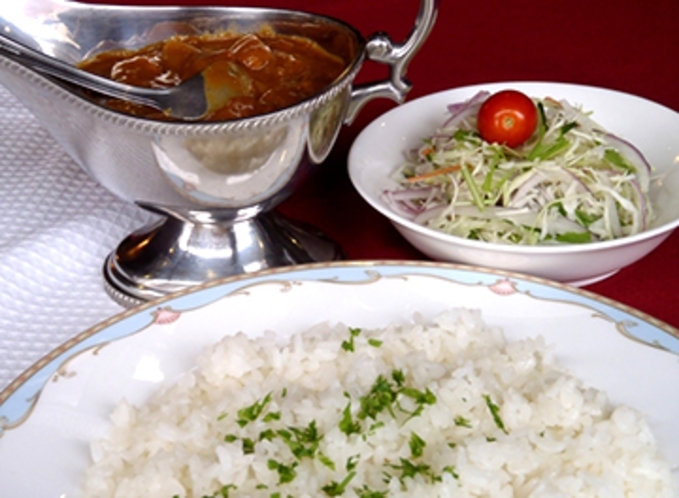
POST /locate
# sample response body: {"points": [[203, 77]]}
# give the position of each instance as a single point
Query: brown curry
{"points": [[245, 74]]}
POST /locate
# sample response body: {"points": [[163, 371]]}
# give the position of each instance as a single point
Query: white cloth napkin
{"points": [[57, 225]]}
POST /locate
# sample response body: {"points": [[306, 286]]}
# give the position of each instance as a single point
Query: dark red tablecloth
{"points": [[630, 46]]}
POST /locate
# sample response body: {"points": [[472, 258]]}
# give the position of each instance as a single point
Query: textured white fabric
{"points": [[56, 227]]}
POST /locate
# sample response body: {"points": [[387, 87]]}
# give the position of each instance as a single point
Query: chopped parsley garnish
{"points": [[272, 416], [303, 442], [384, 397], [450, 469], [335, 488], [381, 397], [325, 460], [286, 473], [349, 345], [267, 435], [409, 470], [421, 397], [348, 425], [366, 492], [252, 412], [248, 446], [361, 417], [223, 492], [460, 421], [352, 462], [495, 412], [417, 445], [399, 377]]}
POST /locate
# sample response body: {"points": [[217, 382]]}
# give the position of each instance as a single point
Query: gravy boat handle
{"points": [[380, 48]]}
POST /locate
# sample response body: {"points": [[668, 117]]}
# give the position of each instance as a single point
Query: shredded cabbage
{"points": [[572, 182]]}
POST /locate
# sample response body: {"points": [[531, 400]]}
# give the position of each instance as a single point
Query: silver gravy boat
{"points": [[214, 184]]}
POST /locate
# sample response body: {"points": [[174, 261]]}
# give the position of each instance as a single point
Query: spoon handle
{"points": [[66, 72]]}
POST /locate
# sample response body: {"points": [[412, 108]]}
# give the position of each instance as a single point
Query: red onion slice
{"points": [[635, 156], [460, 111]]}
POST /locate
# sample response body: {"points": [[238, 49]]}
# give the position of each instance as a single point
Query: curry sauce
{"points": [[245, 74]]}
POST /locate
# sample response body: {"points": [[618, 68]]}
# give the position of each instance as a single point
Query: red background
{"points": [[626, 45]]}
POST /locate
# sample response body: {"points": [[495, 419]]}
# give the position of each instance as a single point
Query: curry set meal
{"points": [[447, 407], [512, 169], [245, 74]]}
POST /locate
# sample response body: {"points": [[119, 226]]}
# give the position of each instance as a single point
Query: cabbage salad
{"points": [[571, 182]]}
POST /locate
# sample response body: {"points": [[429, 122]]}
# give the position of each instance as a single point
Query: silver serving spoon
{"points": [[186, 101]]}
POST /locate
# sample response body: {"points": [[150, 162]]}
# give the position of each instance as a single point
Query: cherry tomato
{"points": [[508, 117]]}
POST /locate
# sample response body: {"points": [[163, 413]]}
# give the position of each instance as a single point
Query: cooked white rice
{"points": [[504, 421]]}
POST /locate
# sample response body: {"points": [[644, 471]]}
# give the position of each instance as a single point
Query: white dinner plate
{"points": [[49, 415]]}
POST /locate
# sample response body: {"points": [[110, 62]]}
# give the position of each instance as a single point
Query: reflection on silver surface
{"points": [[242, 168], [176, 254], [211, 181]]}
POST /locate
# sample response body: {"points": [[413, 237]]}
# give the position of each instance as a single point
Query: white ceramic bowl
{"points": [[378, 152]]}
